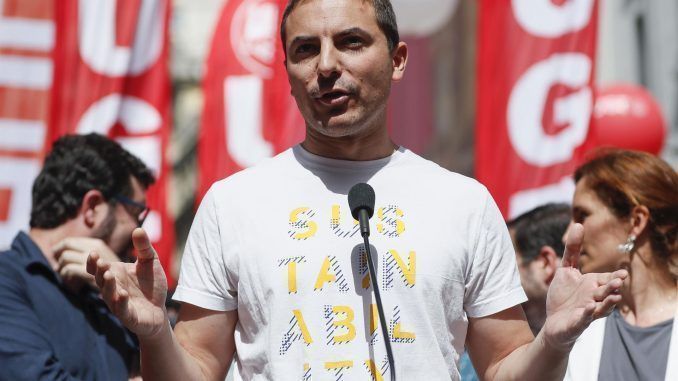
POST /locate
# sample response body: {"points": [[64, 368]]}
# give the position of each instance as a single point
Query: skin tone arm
{"points": [[201, 346], [502, 346]]}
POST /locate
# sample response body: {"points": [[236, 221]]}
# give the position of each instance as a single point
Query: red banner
{"points": [[535, 75], [26, 42], [249, 114], [111, 77]]}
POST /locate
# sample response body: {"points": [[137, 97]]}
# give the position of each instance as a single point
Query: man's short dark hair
{"points": [[76, 165], [541, 226], [383, 10]]}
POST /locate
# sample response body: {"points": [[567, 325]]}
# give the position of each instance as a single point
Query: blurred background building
{"points": [[636, 44]]}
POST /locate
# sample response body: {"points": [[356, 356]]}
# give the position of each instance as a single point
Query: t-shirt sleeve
{"points": [[208, 276], [493, 281]]}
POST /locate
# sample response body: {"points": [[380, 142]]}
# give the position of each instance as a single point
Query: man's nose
{"points": [[328, 63]]}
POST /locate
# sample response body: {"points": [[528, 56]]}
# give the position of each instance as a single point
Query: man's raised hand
{"points": [[574, 299], [71, 256], [135, 292]]}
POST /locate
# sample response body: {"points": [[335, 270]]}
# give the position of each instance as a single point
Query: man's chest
{"points": [[300, 246], [85, 338]]}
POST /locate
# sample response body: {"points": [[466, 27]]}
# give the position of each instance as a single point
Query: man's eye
{"points": [[579, 217], [304, 49], [353, 41]]}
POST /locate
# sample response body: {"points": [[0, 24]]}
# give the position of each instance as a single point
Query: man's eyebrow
{"points": [[578, 209], [346, 32], [351, 31], [301, 39]]}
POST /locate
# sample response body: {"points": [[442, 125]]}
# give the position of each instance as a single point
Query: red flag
{"points": [[535, 75], [111, 77], [26, 41], [249, 114]]}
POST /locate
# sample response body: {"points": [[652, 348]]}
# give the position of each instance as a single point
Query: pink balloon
{"points": [[627, 116]]}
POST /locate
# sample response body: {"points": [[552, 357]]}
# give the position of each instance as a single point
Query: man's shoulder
{"points": [[269, 169], [12, 268], [11, 259], [253, 183], [426, 172]]}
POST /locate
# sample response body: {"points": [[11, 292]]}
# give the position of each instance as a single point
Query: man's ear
{"points": [[399, 61], [640, 215], [549, 260], [93, 207]]}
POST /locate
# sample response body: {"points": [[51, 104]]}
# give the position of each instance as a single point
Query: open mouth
{"points": [[333, 98]]}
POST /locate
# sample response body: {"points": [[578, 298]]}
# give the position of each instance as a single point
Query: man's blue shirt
{"points": [[49, 333]]}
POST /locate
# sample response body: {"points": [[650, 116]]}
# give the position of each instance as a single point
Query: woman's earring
{"points": [[627, 248]]}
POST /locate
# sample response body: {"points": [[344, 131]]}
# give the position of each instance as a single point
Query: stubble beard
{"points": [[105, 233], [361, 124]]}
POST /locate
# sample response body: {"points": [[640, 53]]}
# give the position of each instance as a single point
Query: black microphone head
{"points": [[361, 196]]}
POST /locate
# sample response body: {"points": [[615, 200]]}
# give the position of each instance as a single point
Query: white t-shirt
{"points": [[277, 242]]}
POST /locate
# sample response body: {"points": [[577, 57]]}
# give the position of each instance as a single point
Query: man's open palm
{"points": [[135, 292], [574, 299]]}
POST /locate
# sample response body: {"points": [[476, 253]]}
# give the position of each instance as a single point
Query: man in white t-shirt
{"points": [[274, 268]]}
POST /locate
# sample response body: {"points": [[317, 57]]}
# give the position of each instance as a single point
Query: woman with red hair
{"points": [[628, 204]]}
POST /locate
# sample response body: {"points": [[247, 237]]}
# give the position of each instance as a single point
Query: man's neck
{"points": [[45, 239], [370, 146]]}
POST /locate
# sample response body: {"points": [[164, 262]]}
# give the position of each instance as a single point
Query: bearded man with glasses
{"points": [[136, 209], [89, 196]]}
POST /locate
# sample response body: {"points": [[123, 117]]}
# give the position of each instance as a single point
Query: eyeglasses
{"points": [[137, 209]]}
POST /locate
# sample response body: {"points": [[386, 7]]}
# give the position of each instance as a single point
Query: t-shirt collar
{"points": [[30, 251], [308, 159]]}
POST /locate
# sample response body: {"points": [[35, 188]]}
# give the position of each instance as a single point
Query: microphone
{"points": [[361, 202]]}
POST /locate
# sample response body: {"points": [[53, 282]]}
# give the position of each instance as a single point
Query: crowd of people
{"points": [[587, 291]]}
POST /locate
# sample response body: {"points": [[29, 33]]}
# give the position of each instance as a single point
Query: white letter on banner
{"points": [[97, 33], [526, 108], [22, 135], [242, 105], [528, 199], [136, 116], [25, 33], [25, 72], [544, 19], [254, 35]]}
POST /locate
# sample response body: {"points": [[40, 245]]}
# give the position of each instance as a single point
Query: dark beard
{"points": [[105, 232]]}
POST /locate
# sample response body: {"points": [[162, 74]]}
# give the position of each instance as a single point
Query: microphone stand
{"points": [[365, 232]]}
